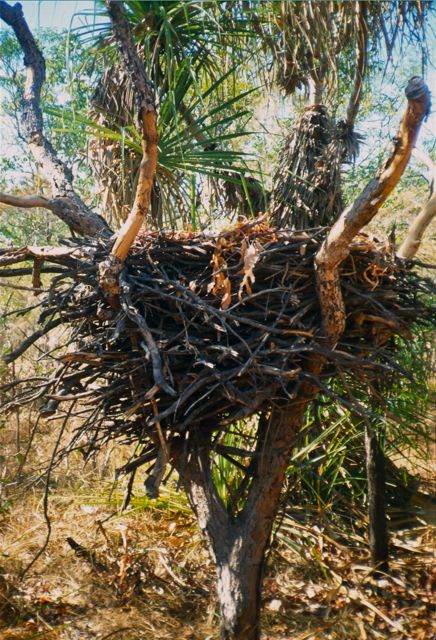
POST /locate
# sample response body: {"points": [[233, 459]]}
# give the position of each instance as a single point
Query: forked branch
{"points": [[336, 247], [66, 204]]}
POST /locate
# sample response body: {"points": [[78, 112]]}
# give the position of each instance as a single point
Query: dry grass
{"points": [[145, 573]]}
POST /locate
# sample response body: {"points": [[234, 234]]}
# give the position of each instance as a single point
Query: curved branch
{"points": [[63, 208], [336, 246], [75, 214], [412, 241], [147, 116], [422, 157]]}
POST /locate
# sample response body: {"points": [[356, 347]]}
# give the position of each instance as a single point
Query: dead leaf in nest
{"points": [[220, 285], [250, 254]]}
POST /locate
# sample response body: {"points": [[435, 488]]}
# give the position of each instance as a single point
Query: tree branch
{"points": [[412, 241], [26, 202], [75, 213], [61, 207], [147, 117], [422, 157], [336, 247]]}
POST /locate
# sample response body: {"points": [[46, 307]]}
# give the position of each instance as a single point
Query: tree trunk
{"points": [[378, 529], [239, 579], [237, 543], [65, 202]]}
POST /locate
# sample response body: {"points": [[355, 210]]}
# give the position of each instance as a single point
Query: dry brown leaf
{"points": [[250, 254], [220, 285]]}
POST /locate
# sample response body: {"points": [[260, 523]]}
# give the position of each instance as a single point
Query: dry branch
{"points": [[65, 203], [171, 333], [248, 359], [336, 247], [412, 241]]}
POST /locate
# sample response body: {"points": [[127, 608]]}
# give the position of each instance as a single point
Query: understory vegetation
{"points": [[121, 395]]}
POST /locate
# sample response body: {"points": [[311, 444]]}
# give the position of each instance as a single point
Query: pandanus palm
{"points": [[202, 95]]}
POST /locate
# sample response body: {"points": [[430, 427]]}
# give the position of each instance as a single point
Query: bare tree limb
{"points": [[63, 208], [74, 212], [26, 202], [147, 117], [336, 246], [412, 241], [422, 157], [53, 254]]}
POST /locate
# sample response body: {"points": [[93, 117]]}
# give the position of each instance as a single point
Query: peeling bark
{"points": [[66, 204]]}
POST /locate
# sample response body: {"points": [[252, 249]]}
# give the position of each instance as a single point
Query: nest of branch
{"points": [[209, 330]]}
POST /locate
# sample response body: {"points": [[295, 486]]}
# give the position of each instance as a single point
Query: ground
{"points": [[145, 573]]}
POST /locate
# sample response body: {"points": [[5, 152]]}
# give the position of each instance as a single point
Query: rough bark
{"points": [[238, 543], [147, 116], [65, 203], [413, 239], [376, 476]]}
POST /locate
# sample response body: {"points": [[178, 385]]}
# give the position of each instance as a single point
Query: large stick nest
{"points": [[209, 330]]}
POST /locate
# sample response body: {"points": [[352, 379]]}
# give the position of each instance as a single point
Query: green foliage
{"points": [[67, 82], [227, 477], [327, 470]]}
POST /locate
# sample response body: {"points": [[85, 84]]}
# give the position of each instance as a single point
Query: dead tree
{"points": [[237, 539], [65, 202]]}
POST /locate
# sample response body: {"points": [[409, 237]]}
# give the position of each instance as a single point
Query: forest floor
{"points": [[145, 573]]}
